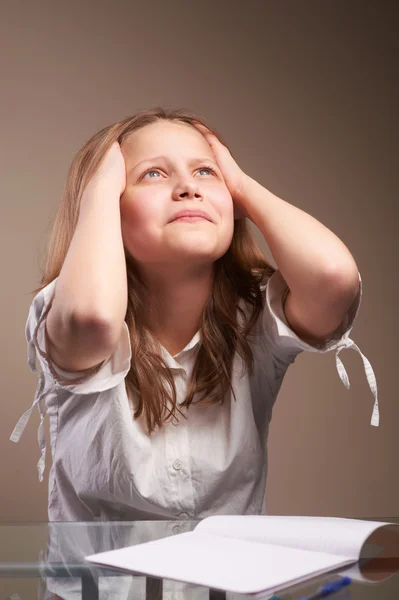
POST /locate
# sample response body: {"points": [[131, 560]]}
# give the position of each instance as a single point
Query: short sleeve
{"points": [[99, 378], [104, 376], [284, 341], [284, 344]]}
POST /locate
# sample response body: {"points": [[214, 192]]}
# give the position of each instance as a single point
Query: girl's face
{"points": [[170, 167]]}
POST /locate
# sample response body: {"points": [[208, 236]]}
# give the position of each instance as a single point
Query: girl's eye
{"points": [[150, 171], [156, 171], [207, 169]]}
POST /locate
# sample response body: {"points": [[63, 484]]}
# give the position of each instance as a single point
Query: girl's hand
{"points": [[233, 176], [111, 172]]}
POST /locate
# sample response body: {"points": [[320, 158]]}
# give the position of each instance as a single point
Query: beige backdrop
{"points": [[304, 94]]}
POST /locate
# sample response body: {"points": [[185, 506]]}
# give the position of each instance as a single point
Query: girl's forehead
{"points": [[166, 138]]}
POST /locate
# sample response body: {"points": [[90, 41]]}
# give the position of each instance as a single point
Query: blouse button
{"points": [[177, 465], [176, 529]]}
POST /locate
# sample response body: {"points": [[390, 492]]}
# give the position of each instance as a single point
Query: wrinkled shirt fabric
{"points": [[106, 467]]}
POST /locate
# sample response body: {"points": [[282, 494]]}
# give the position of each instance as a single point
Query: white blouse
{"points": [[106, 467]]}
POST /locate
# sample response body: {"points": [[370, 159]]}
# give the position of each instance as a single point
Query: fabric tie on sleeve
{"points": [[39, 400], [371, 380]]}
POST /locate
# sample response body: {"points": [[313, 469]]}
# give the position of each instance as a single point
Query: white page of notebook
{"points": [[222, 563], [334, 535]]}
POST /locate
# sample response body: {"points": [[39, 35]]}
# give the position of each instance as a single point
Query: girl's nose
{"points": [[187, 190]]}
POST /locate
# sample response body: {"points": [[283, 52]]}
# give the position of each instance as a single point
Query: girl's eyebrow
{"points": [[191, 162]]}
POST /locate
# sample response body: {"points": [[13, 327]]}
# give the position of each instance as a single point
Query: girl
{"points": [[161, 332]]}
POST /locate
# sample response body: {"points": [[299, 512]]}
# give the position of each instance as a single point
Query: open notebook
{"points": [[256, 554]]}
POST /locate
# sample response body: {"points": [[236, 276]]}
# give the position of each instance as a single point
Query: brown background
{"points": [[304, 94]]}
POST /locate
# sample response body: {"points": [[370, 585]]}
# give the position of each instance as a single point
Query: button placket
{"points": [[179, 468]]}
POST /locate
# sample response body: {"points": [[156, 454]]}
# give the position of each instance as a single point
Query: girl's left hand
{"points": [[233, 176]]}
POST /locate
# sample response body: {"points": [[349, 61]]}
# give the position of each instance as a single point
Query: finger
{"points": [[200, 125], [211, 137]]}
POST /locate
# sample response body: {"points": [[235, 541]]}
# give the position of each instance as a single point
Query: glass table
{"points": [[45, 561]]}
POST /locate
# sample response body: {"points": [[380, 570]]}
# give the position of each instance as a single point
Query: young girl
{"points": [[161, 332]]}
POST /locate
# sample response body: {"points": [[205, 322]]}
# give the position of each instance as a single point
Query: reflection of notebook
{"points": [[253, 554]]}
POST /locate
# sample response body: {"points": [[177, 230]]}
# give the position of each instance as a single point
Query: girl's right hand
{"points": [[112, 171]]}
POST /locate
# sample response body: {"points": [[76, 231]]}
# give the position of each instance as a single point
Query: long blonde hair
{"points": [[238, 274]]}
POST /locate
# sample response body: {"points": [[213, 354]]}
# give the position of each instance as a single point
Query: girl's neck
{"points": [[176, 308]]}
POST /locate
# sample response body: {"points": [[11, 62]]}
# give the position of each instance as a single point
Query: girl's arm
{"points": [[92, 284], [319, 269]]}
